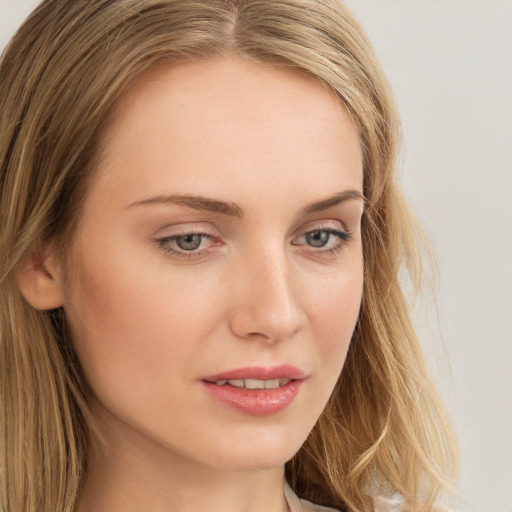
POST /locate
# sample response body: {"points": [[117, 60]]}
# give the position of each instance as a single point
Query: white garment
{"points": [[296, 504], [380, 504]]}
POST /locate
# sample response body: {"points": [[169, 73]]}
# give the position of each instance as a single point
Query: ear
{"points": [[39, 279]]}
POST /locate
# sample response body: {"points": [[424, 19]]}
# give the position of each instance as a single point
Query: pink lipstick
{"points": [[256, 390]]}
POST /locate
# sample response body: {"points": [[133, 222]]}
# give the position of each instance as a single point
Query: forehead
{"points": [[231, 119]]}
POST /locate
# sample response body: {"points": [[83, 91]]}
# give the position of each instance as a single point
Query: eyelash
{"points": [[164, 244], [344, 238]]}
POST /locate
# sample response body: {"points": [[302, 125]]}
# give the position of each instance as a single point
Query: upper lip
{"points": [[284, 371]]}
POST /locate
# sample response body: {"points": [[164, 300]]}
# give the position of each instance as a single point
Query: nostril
{"points": [[258, 323]]}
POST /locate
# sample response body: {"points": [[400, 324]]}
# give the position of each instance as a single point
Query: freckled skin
{"points": [[148, 325]]}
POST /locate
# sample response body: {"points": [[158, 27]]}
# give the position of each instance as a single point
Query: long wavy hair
{"points": [[384, 430]]}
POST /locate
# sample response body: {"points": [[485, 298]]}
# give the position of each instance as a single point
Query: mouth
{"points": [[252, 383], [257, 374], [256, 391]]}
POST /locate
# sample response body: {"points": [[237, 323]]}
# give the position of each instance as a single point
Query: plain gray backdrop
{"points": [[450, 64]]}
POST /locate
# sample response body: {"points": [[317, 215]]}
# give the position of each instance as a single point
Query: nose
{"points": [[266, 299]]}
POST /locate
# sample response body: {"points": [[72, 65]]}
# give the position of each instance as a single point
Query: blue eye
{"points": [[328, 240], [322, 241], [189, 242], [185, 245], [318, 238]]}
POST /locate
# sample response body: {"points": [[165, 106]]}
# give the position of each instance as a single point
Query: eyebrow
{"points": [[194, 202], [233, 210], [332, 201]]}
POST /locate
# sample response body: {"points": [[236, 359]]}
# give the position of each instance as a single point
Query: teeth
{"points": [[236, 383], [271, 384], [254, 383]]}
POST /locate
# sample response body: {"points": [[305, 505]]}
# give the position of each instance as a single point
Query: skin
{"points": [[149, 324]]}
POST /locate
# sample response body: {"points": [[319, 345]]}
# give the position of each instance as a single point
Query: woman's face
{"points": [[219, 250]]}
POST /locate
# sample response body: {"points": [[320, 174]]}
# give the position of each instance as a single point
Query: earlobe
{"points": [[39, 279]]}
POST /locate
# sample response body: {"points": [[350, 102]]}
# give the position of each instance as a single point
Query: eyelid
{"points": [[164, 240], [321, 224], [329, 251], [345, 217], [340, 233], [184, 228]]}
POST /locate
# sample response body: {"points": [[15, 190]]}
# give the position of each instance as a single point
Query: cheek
{"points": [[334, 311], [131, 325], [335, 300]]}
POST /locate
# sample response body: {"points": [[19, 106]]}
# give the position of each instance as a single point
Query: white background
{"points": [[450, 64]]}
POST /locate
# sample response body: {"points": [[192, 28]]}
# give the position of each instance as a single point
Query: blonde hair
{"points": [[383, 430]]}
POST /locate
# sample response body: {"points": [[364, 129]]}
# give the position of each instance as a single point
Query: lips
{"points": [[256, 391], [253, 383], [284, 371]]}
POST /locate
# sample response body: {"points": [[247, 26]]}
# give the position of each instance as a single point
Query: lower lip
{"points": [[255, 402]]}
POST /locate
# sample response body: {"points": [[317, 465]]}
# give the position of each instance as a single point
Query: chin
{"points": [[252, 462], [259, 451]]}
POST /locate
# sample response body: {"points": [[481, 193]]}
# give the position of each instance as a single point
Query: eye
{"points": [[189, 242], [325, 241], [186, 245], [318, 238]]}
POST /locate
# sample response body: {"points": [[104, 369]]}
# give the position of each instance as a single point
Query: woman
{"points": [[201, 241]]}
